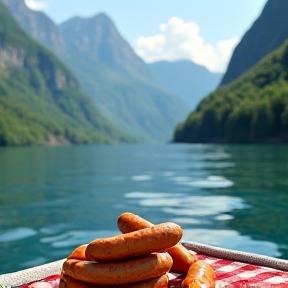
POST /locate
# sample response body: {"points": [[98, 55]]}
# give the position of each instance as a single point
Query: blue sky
{"points": [[204, 31]]}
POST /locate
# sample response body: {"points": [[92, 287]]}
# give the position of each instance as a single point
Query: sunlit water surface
{"points": [[55, 198]]}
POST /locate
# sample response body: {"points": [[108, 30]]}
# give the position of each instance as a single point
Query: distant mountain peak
{"points": [[97, 37], [37, 24], [99, 17], [103, 17]]}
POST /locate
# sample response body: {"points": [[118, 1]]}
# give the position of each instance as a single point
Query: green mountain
{"points": [[97, 39], [253, 108], [40, 99], [118, 80], [109, 71], [268, 33], [191, 82]]}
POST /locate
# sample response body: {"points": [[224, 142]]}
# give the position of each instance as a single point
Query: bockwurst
{"points": [[119, 272], [134, 244], [182, 258]]}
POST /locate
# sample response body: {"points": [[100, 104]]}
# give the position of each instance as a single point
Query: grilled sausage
{"points": [[129, 222], [120, 272], [69, 282], [159, 282], [78, 253], [138, 243], [182, 258], [200, 275]]}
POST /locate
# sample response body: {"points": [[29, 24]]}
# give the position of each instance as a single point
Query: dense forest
{"points": [[40, 99], [252, 108]]}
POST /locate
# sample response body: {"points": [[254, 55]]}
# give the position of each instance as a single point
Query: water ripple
{"points": [[17, 234], [212, 182], [76, 238], [141, 178], [189, 205], [231, 239], [149, 195]]}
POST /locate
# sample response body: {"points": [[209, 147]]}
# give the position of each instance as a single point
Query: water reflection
{"points": [[141, 178], [231, 239], [260, 177], [17, 234], [54, 199], [212, 182], [76, 238]]}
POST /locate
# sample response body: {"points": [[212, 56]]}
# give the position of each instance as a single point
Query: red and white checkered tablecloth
{"points": [[234, 274], [239, 274], [229, 274], [231, 267]]}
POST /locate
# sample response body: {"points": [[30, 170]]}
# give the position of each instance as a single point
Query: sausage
{"points": [[199, 275], [134, 244], [120, 272], [159, 282], [182, 258], [129, 222], [78, 253], [69, 282]]}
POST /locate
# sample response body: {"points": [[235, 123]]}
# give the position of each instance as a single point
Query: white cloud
{"points": [[181, 40], [36, 5]]}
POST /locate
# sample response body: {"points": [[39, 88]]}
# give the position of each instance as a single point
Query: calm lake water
{"points": [[53, 199]]}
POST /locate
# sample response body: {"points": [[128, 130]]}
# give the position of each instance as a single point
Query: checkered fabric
{"points": [[229, 274], [234, 274]]}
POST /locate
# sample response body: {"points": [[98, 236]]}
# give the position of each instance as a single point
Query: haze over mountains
{"points": [[191, 82], [253, 107], [109, 71]]}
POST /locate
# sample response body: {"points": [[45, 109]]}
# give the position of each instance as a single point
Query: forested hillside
{"points": [[253, 108], [117, 80], [40, 99]]}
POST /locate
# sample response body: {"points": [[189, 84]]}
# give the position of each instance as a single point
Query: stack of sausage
{"points": [[141, 257]]}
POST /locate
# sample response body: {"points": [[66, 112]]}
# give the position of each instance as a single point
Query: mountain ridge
{"points": [[149, 113], [40, 99], [30, 20], [79, 36], [266, 34]]}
